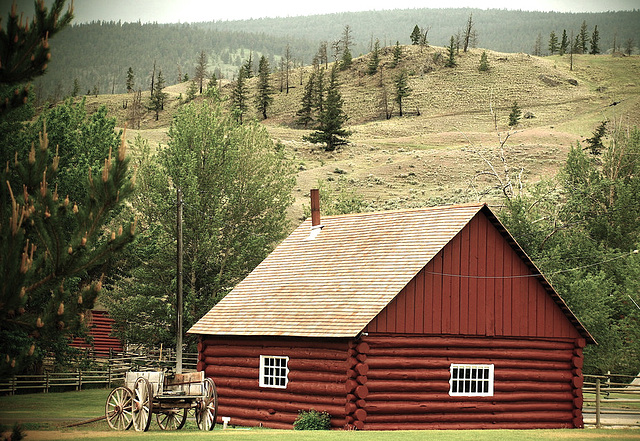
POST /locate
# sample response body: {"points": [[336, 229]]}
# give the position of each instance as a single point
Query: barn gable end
{"points": [[476, 285]]}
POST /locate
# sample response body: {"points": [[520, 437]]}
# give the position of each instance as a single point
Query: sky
{"points": [[187, 11]]}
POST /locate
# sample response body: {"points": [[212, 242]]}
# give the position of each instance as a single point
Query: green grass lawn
{"points": [[45, 417]]}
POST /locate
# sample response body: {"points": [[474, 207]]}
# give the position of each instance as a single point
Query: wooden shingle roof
{"points": [[334, 284]]}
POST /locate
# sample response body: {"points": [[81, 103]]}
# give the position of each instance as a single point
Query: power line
{"points": [[523, 276]]}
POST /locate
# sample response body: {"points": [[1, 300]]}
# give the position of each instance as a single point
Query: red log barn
{"points": [[100, 329], [432, 318]]}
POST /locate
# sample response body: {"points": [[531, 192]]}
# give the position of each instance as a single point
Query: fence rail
{"points": [[111, 370], [612, 400]]}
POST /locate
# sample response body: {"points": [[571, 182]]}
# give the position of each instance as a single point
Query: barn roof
{"points": [[333, 285]]}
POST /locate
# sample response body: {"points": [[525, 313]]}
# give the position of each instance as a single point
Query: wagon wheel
{"points": [[171, 419], [207, 408], [118, 410], [142, 404]]}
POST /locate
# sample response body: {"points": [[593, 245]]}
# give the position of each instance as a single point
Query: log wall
{"points": [[316, 380], [404, 383]]}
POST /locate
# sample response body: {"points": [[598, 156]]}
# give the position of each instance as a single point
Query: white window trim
{"points": [[262, 376], [490, 380]]}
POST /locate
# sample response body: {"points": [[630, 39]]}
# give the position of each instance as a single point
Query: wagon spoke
{"points": [[142, 405], [118, 409]]}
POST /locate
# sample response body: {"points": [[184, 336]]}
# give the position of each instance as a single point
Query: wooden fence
{"points": [[111, 370], [611, 400]]}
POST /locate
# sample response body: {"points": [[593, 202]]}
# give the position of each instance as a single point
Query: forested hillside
{"points": [[99, 54]]}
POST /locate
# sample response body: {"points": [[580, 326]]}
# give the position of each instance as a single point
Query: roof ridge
{"points": [[406, 210]]}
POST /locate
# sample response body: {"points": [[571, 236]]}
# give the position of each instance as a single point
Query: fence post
{"points": [[46, 381], [598, 397], [79, 386], [14, 385], [109, 374]]}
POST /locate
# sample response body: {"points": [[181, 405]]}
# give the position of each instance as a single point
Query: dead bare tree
{"points": [[507, 177]]}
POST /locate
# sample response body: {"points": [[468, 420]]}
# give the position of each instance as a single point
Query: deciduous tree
{"points": [[236, 187]]}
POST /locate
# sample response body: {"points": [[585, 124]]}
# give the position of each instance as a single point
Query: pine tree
{"points": [[305, 113], [76, 88], [330, 129], [595, 38], [239, 96], [402, 88], [553, 43], [374, 62], [451, 60], [265, 91], [25, 48], [514, 116], [318, 91], [130, 80], [346, 60], [201, 70], [537, 47], [484, 62], [248, 66], [415, 35], [397, 54], [50, 246], [583, 38], [564, 44], [158, 97]]}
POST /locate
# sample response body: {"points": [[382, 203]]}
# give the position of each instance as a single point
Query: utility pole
{"points": [[179, 293]]}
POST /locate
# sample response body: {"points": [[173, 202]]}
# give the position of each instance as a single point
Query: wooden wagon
{"points": [[169, 396]]}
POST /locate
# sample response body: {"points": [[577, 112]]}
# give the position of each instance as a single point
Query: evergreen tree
{"points": [[318, 91], [201, 70], [553, 43], [484, 62], [629, 47], [50, 246], [264, 96], [346, 60], [239, 96], [583, 38], [76, 88], [331, 120], [564, 44], [192, 90], [397, 54], [158, 97], [595, 38], [415, 35], [537, 48], [374, 62], [514, 116], [248, 66], [130, 80], [305, 113], [451, 60], [402, 88]]}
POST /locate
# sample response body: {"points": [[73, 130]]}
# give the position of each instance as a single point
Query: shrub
{"points": [[312, 420]]}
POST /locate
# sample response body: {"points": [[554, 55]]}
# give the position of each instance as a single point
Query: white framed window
{"points": [[471, 380], [274, 371]]}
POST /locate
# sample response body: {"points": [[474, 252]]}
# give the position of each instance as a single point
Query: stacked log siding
{"points": [[316, 380], [537, 384]]}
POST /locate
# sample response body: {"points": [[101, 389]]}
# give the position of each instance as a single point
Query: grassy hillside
{"points": [[434, 157]]}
